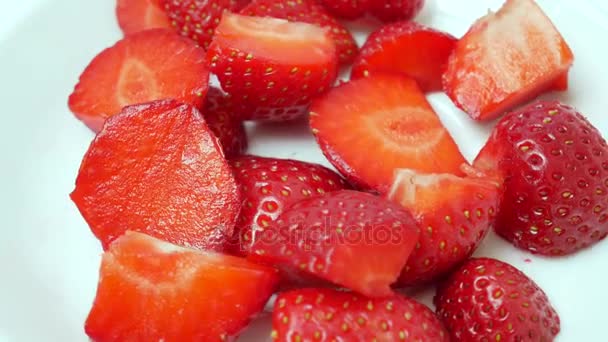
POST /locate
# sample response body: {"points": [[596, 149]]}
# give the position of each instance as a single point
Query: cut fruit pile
{"points": [[198, 235]]}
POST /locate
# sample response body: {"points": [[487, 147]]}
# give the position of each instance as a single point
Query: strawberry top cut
{"points": [[369, 127], [506, 58]]}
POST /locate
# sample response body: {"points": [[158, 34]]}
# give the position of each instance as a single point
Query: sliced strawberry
{"points": [[394, 10], [329, 315], [506, 59], [145, 66], [272, 68], [198, 19], [138, 15], [371, 126], [308, 11], [489, 300], [406, 48], [271, 185], [350, 238], [454, 215], [223, 120], [554, 164], [158, 169], [151, 290], [348, 9]]}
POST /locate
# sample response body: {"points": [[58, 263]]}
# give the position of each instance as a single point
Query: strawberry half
{"points": [[138, 15], [489, 300], [406, 48], [329, 315], [308, 11], [272, 68], [454, 215], [271, 185], [150, 290], [369, 127], [350, 238], [554, 164], [348, 9], [394, 10], [145, 66], [506, 58], [223, 120], [158, 169], [198, 19]]}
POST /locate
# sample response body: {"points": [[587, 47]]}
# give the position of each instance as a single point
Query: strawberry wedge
{"points": [[369, 127], [507, 58], [151, 290], [138, 15]]}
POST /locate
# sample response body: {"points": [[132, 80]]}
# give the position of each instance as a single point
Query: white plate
{"points": [[48, 257]]}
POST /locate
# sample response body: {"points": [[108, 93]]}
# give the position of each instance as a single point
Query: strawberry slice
{"points": [[151, 290], [489, 300], [507, 58], [369, 127], [272, 68], [158, 169], [394, 10], [138, 15], [406, 48], [348, 9], [454, 214], [330, 315], [145, 66], [271, 185], [198, 19], [222, 119], [308, 11], [350, 238]]}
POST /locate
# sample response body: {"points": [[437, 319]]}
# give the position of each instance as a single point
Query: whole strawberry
{"points": [[223, 120], [554, 164], [394, 10], [348, 9], [489, 300], [329, 315]]}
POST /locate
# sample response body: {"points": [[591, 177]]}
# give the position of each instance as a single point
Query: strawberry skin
{"points": [[138, 15], [271, 185], [554, 164], [369, 127], [198, 19], [454, 215], [223, 120], [506, 59], [330, 315], [348, 9], [350, 238], [272, 68], [394, 10], [145, 66], [489, 300], [406, 48], [150, 290], [158, 169], [308, 11]]}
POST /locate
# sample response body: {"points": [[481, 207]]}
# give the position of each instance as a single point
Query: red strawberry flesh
{"points": [[138, 15]]}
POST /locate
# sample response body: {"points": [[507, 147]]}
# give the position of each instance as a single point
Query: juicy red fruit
{"points": [[454, 214], [394, 10], [308, 11], [347, 9], [158, 169], [138, 15], [150, 290], [271, 185], [328, 315], [350, 238], [406, 48], [272, 68], [554, 164], [223, 120], [488, 300], [144, 66]]}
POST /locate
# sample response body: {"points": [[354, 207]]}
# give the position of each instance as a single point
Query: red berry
{"points": [[350, 238], [329, 315], [489, 300], [348, 9], [223, 120], [138, 15], [554, 164], [394, 10], [158, 169]]}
